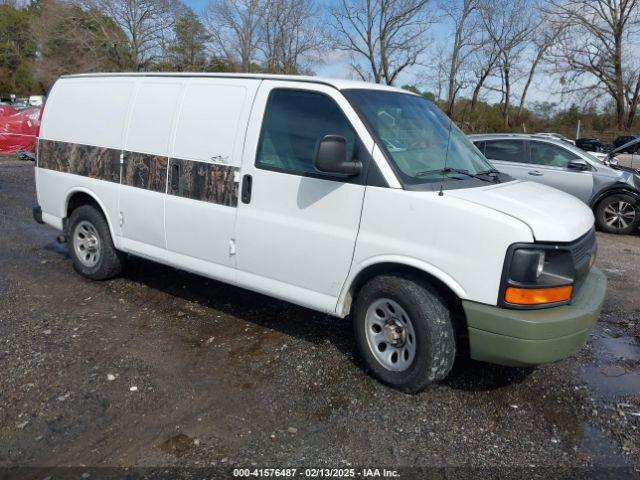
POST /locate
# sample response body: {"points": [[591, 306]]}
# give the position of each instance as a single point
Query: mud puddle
{"points": [[598, 449], [618, 370]]}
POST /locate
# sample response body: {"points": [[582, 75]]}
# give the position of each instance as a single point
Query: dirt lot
{"points": [[161, 367]]}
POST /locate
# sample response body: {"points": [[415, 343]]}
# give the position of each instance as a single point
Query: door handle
{"points": [[247, 183], [175, 178], [535, 173]]}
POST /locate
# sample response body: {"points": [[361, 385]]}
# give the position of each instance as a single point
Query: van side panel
{"points": [[88, 111], [146, 159], [80, 141]]}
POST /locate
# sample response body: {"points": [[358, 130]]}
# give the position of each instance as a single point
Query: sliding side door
{"points": [[202, 196]]}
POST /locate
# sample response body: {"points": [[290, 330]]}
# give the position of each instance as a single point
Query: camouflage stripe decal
{"points": [[94, 162], [204, 181], [145, 171]]}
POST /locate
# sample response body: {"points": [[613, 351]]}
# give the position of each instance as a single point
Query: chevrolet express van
{"points": [[349, 198]]}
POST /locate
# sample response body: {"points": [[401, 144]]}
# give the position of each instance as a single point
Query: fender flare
{"points": [[73, 190], [344, 300], [613, 190]]}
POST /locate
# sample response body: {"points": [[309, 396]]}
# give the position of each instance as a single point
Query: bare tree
{"points": [[235, 27], [483, 63], [508, 23], [146, 23], [387, 35], [290, 35], [465, 21], [546, 33], [436, 74], [598, 51]]}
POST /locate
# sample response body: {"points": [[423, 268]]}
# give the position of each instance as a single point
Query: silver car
{"points": [[611, 190]]}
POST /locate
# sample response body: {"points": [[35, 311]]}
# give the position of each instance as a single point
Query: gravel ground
{"points": [[163, 368]]}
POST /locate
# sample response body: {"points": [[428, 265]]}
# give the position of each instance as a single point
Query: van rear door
{"points": [[297, 228]]}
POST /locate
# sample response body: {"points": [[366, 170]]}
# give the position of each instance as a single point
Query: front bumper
{"points": [[530, 337]]}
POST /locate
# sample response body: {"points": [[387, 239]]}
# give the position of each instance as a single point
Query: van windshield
{"points": [[423, 143]]}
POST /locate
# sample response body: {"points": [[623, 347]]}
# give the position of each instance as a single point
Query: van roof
{"points": [[340, 84]]}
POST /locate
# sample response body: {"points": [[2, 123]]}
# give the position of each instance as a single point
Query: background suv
{"points": [[612, 191], [624, 139], [592, 145]]}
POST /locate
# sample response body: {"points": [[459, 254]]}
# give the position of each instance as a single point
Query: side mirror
{"points": [[331, 157], [578, 165]]}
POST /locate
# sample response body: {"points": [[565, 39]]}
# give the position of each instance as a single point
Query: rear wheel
{"points": [[618, 213], [404, 332], [90, 245]]}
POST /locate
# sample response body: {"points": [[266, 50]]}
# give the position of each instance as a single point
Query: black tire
{"points": [[435, 347], [612, 203], [110, 261]]}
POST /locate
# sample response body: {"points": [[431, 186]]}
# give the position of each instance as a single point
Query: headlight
{"points": [[537, 276]]}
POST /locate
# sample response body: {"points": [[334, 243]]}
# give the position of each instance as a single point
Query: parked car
{"points": [[36, 100], [345, 197], [20, 103], [612, 191], [590, 144], [557, 136], [624, 139]]}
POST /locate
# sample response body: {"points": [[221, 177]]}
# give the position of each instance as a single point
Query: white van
{"points": [[345, 197]]}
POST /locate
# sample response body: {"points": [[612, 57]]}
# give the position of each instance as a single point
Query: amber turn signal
{"points": [[537, 296]]}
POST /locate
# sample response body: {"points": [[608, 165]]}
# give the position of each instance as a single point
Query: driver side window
{"points": [[294, 122]]}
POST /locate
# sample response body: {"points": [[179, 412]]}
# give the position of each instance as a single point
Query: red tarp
{"points": [[19, 129], [6, 110]]}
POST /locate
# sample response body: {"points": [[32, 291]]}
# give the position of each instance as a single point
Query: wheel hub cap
{"points": [[86, 244], [394, 333], [390, 334], [619, 214]]}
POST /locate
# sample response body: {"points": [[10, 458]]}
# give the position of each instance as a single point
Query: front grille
{"points": [[583, 247], [582, 250]]}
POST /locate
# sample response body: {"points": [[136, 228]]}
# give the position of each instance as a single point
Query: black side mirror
{"points": [[578, 165], [331, 157]]}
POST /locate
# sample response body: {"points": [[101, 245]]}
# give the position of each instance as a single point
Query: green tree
{"points": [[416, 90], [75, 40], [17, 51], [188, 50]]}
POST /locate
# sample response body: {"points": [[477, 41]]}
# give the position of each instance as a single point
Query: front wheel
{"points": [[618, 213], [404, 332]]}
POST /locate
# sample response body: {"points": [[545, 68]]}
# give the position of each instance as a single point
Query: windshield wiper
{"points": [[487, 172], [493, 173], [424, 173], [461, 171]]}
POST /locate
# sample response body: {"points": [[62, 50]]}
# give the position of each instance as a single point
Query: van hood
{"points": [[552, 215]]}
